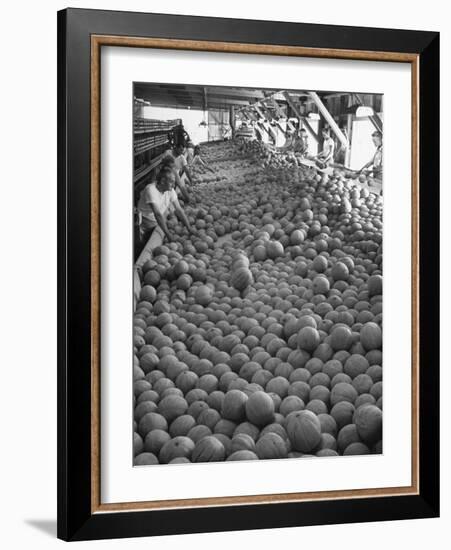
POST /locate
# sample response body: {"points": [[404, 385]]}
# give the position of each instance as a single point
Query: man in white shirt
{"points": [[155, 202], [180, 187], [327, 154], [197, 159], [181, 164], [189, 153], [374, 166]]}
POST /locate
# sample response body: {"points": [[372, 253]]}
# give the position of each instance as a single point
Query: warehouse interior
{"points": [[258, 277], [212, 114], [351, 116]]}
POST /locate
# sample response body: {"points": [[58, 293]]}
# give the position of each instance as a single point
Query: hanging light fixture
{"points": [[364, 111]]}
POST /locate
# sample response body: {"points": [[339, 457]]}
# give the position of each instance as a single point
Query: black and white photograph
{"points": [[257, 273]]}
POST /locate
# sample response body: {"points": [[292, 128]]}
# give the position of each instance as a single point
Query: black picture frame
{"points": [[75, 518]]}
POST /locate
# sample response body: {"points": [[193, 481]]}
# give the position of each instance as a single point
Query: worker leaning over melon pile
{"points": [[156, 201], [180, 187], [181, 164], [326, 156], [197, 159], [374, 166]]}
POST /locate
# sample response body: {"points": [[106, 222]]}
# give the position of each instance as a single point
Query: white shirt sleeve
{"points": [[173, 197], [154, 197]]}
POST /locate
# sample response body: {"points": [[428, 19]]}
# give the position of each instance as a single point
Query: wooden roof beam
{"points": [[329, 118]]}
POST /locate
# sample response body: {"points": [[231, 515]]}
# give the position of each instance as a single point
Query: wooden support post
{"points": [[329, 118], [320, 134], [350, 119], [232, 120], [302, 120]]}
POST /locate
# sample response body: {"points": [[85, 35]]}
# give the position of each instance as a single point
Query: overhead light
{"points": [[363, 111], [360, 110]]}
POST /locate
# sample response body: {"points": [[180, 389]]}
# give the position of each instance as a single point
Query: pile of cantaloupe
{"points": [[267, 344]]}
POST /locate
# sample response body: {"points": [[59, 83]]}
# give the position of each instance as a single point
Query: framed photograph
{"points": [[248, 274]]}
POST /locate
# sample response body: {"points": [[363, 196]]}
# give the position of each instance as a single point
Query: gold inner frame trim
{"points": [[97, 41]]}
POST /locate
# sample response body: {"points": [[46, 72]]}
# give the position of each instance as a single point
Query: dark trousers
{"points": [[141, 237]]}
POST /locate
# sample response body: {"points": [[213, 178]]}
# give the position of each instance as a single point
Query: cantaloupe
{"points": [[241, 442], [215, 400], [319, 263], [149, 362], [208, 449], [356, 448], [180, 446], [371, 336], [304, 430], [145, 459], [326, 452], [241, 278], [180, 268], [340, 272], [278, 385], [148, 293], [271, 446], [342, 413], [234, 405], [172, 406], [317, 406], [203, 295], [356, 364], [182, 425], [226, 442], [375, 285], [347, 435], [341, 338], [143, 408], [328, 441], [260, 253], [308, 339], [198, 432], [152, 421], [247, 428], [343, 392], [209, 417], [225, 427], [180, 460], [291, 403], [368, 421], [276, 428], [320, 285], [137, 444], [362, 383], [260, 409], [154, 441], [242, 455]]}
